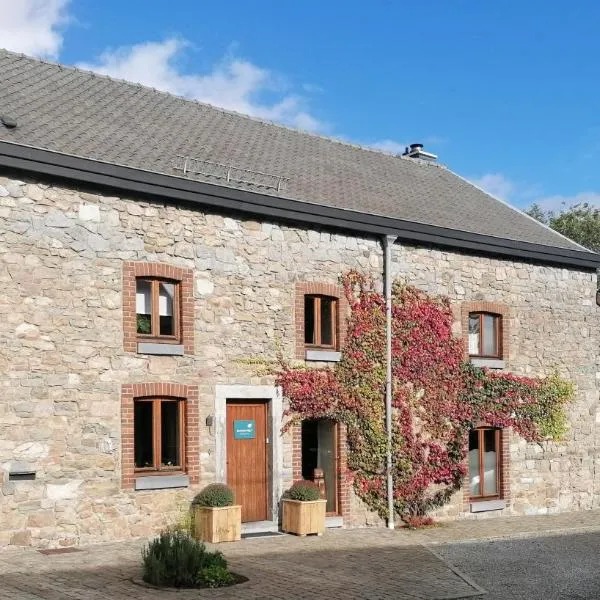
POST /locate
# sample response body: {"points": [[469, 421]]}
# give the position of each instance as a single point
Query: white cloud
{"points": [[496, 184], [33, 27], [558, 202], [524, 195], [234, 84]]}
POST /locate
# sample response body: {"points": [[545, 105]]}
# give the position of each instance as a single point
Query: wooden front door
{"points": [[247, 472]]}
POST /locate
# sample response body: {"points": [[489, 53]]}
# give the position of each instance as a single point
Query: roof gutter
{"points": [[177, 189]]}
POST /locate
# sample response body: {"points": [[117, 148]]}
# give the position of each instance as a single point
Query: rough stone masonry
{"points": [[62, 361]]}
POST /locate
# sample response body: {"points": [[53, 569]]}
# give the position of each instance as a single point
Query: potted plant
{"points": [[303, 509], [216, 517]]}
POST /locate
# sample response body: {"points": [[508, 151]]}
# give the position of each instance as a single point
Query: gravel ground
{"points": [[559, 567]]}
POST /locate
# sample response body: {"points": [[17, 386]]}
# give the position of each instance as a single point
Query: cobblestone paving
{"points": [[348, 564], [558, 567], [342, 564]]}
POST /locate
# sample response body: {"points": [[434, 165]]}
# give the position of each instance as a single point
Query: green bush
{"points": [[215, 576], [144, 325], [215, 495], [175, 559], [304, 490]]}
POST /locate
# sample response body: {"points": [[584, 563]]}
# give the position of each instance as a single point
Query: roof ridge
{"points": [[225, 110]]}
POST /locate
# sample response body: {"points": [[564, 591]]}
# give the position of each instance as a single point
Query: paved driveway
{"points": [[558, 567], [450, 561], [373, 564]]}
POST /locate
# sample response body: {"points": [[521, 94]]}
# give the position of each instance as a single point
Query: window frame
{"points": [[499, 467], [497, 333], [156, 468], [155, 316], [317, 345]]}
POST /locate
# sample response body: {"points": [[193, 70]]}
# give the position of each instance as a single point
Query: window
{"points": [[320, 311], [157, 310], [158, 426], [320, 321], [484, 463], [485, 335], [160, 436]]}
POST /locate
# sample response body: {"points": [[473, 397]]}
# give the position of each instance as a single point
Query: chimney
{"points": [[416, 151]]}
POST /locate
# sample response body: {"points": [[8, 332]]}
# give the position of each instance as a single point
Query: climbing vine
{"points": [[438, 397]]}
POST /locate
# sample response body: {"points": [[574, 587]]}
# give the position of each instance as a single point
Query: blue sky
{"points": [[506, 93]]}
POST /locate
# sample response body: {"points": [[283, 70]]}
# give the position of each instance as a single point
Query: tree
{"points": [[580, 222]]}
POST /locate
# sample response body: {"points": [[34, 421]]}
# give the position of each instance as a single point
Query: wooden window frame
{"points": [[154, 336], [499, 473], [497, 333], [132, 270], [317, 345], [157, 437]]}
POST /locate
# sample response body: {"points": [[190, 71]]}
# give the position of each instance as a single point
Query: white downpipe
{"points": [[388, 242]]}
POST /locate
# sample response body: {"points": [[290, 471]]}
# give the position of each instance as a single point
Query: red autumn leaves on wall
{"points": [[438, 397]]}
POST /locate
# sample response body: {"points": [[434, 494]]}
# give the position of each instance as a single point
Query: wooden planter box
{"points": [[222, 524], [303, 518]]}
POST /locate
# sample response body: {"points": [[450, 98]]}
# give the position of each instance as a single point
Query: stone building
{"points": [[150, 245]]}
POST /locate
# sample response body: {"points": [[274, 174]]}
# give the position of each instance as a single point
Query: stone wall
{"points": [[553, 323], [62, 361]]}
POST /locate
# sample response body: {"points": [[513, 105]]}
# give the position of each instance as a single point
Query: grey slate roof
{"points": [[86, 115]]}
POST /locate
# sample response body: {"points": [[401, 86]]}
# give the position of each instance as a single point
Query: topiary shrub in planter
{"points": [[216, 517], [303, 509], [215, 495], [175, 559], [303, 491]]}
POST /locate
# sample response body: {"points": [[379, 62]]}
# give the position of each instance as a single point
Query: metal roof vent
{"points": [[8, 121], [416, 151]]}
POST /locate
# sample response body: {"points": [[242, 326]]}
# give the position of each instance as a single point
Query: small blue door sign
{"points": [[244, 430]]}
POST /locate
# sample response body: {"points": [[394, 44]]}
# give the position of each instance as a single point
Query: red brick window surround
{"points": [[325, 320], [485, 329], [155, 408], [167, 295]]}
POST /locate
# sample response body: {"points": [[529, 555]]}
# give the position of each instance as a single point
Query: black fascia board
{"points": [[178, 189]]}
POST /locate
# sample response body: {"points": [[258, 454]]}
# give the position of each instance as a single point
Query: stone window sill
{"points": [[323, 355], [161, 482], [487, 505], [490, 363], [160, 349]]}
